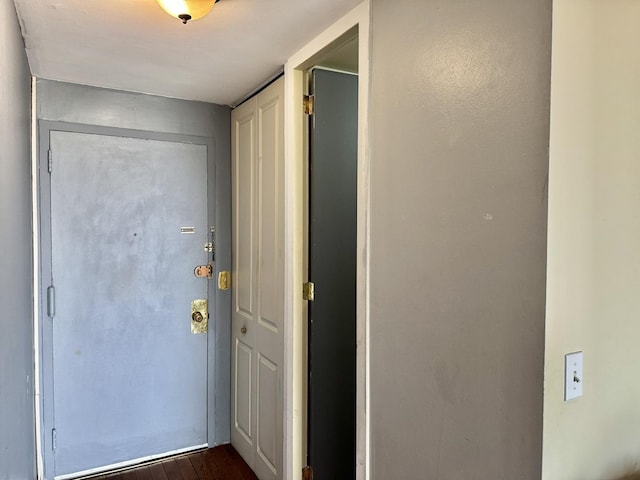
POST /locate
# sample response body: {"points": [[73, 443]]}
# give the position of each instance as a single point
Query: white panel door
{"points": [[244, 265], [258, 281]]}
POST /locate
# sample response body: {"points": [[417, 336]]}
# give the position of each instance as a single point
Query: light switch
{"points": [[572, 375]]}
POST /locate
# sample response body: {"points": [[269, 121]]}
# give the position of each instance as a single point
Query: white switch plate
{"points": [[572, 375]]}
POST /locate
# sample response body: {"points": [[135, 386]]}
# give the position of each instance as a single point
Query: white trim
{"points": [[294, 362], [35, 245], [129, 463], [293, 327], [336, 70], [363, 254]]}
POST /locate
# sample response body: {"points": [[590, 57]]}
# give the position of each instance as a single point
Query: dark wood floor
{"points": [[220, 463]]}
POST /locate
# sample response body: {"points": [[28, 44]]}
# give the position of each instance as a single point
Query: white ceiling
{"points": [[134, 45]]}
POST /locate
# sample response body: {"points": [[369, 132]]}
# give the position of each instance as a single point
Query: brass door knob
{"points": [[243, 330], [197, 317]]}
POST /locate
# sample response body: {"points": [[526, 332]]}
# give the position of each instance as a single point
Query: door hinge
{"points": [[54, 439], [307, 473], [308, 291], [51, 301], [309, 104], [49, 161]]}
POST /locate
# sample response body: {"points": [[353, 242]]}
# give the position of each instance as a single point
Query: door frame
{"points": [[219, 302], [295, 311]]}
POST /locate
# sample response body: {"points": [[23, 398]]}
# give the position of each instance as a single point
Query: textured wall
{"points": [[594, 232], [16, 331], [459, 152]]}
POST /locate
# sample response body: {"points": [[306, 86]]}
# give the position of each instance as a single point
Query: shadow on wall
{"points": [[629, 476]]}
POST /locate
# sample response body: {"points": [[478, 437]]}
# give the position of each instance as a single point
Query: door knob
{"points": [[243, 330], [199, 316]]}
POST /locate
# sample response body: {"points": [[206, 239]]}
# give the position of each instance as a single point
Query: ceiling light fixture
{"points": [[186, 10]]}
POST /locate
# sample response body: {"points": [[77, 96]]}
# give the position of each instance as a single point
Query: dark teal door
{"points": [[332, 268]]}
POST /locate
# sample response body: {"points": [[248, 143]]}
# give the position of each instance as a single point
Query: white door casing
{"points": [[295, 267], [258, 281]]}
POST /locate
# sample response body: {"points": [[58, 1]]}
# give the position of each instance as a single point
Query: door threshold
{"points": [[118, 467]]}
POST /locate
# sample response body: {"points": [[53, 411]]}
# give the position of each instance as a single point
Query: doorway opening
{"points": [[348, 38], [331, 250]]}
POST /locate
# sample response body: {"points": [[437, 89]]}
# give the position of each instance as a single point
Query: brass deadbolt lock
{"points": [[197, 317]]}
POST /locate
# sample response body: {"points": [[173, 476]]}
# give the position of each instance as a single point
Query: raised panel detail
{"points": [[242, 387], [243, 191], [267, 410], [270, 218]]}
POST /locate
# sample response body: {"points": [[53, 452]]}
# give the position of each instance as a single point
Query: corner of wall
{"points": [[17, 444]]}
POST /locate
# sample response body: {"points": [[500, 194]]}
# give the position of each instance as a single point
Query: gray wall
{"points": [[459, 149], [68, 102], [16, 332], [78, 107]]}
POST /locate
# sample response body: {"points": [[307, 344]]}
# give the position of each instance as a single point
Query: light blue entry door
{"points": [[130, 379]]}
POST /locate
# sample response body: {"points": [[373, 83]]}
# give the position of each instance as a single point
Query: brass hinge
{"points": [[309, 104], [308, 291], [307, 473]]}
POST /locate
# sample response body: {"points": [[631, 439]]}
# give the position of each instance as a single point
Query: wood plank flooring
{"points": [[220, 463]]}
